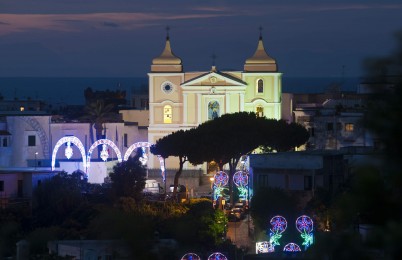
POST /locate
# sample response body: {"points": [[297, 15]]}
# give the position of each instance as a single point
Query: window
{"points": [[125, 141], [308, 182], [349, 127], [260, 111], [167, 114], [213, 110], [330, 126], [31, 140], [1, 186], [5, 143], [260, 86], [167, 87]]}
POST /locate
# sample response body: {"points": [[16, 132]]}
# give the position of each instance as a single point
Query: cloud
{"points": [[110, 24], [79, 22]]}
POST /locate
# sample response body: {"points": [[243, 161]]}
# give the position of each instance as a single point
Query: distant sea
{"points": [[60, 91]]}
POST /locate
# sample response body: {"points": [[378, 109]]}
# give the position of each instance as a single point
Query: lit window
{"points": [[22, 109], [167, 114], [260, 111], [260, 86], [349, 127]]}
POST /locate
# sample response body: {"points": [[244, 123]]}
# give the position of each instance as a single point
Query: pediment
{"points": [[214, 79]]}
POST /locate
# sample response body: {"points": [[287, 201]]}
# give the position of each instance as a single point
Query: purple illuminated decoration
{"points": [[221, 179], [190, 256], [217, 256], [292, 247], [304, 224], [278, 224], [240, 178]]}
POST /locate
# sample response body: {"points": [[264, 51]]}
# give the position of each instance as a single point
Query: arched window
{"points": [[259, 111], [260, 86], [213, 110], [167, 114]]}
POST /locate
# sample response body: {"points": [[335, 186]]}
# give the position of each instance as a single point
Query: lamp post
{"points": [[212, 179], [36, 154]]}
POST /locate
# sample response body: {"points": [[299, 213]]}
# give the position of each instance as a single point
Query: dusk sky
{"points": [[119, 38]]}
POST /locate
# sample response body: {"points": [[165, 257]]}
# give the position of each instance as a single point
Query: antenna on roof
{"points": [[260, 28]]}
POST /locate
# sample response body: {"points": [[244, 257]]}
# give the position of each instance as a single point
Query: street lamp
{"points": [[36, 154], [212, 179]]}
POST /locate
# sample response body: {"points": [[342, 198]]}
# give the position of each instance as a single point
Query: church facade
{"points": [[183, 100]]}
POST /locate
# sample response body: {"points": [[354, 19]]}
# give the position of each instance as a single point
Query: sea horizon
{"points": [[70, 90]]}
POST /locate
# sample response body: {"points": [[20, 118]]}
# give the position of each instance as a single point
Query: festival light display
{"points": [[221, 179], [217, 256], [279, 225], [305, 225], [264, 247], [104, 154], [190, 256], [240, 179], [68, 153], [291, 247]]}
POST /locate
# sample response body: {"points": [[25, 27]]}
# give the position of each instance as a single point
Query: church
{"points": [[183, 100]]}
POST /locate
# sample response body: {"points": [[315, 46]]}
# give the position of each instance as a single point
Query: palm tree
{"points": [[97, 113]]}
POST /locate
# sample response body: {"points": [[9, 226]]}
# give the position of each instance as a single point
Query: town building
{"points": [[183, 100]]}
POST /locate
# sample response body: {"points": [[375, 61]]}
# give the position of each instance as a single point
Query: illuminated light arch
{"points": [[292, 247], [145, 144], [217, 256], [69, 139], [103, 142], [190, 256]]}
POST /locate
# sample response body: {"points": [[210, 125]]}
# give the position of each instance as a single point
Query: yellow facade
{"points": [[183, 100]]}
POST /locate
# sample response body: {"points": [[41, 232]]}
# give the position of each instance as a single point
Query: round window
{"points": [[167, 87]]}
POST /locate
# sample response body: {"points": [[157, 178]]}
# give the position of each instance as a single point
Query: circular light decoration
{"points": [[190, 256], [221, 179], [264, 247], [304, 224], [217, 256], [291, 247], [278, 224], [240, 178]]}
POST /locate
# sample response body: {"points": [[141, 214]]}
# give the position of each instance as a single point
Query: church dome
{"points": [[260, 61], [167, 61], [167, 57]]}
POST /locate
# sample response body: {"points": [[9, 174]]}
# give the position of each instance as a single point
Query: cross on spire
{"points": [[167, 32], [260, 28], [213, 59]]}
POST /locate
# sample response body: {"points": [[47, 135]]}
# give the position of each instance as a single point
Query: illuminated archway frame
{"points": [[146, 144], [103, 142], [69, 139]]}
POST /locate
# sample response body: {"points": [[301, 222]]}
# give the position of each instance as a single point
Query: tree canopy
{"points": [[225, 139], [128, 178]]}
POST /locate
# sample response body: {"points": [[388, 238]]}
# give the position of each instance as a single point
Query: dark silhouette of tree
{"points": [[128, 178], [176, 144], [98, 113], [269, 202], [56, 198], [225, 139]]}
